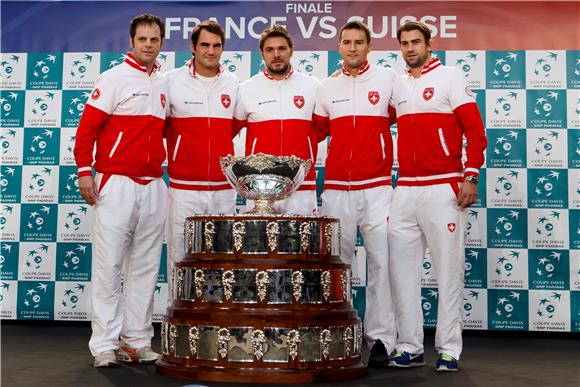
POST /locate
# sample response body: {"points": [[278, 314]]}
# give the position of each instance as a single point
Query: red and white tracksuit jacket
{"points": [[199, 128], [434, 112], [125, 115], [278, 117], [354, 112]]}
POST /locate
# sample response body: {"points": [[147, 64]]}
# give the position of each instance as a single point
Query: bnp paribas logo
{"points": [[574, 148], [475, 234], [550, 310], [546, 108], [472, 66], [547, 148], [44, 71], [548, 229], [507, 148], [10, 183], [68, 186], [39, 261], [546, 69], [42, 109], [507, 188], [10, 64], [38, 222], [74, 223], [71, 296], [506, 69], [508, 309], [9, 260], [39, 184], [573, 68], [549, 269], [507, 228], [238, 62], [80, 70], [547, 188], [311, 63], [10, 222], [574, 229], [73, 106], [41, 146], [429, 303], [388, 59], [72, 300], [35, 300], [73, 262], [11, 146], [475, 268], [475, 308], [67, 145], [112, 59], [12, 108], [507, 266], [506, 109]]}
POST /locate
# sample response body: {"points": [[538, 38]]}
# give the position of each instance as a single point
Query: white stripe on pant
{"points": [[183, 203], [427, 216], [128, 236], [369, 209]]}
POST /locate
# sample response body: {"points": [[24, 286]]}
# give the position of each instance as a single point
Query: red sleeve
{"points": [[237, 125], [91, 122], [473, 130], [321, 126], [392, 115]]}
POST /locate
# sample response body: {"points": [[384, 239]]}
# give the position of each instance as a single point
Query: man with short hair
{"points": [[202, 97], [352, 107], [276, 107], [124, 117], [435, 110]]}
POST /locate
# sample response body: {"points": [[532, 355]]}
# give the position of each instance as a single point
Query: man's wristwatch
{"points": [[473, 179]]}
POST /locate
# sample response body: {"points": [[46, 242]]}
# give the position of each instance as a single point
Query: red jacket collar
{"points": [[133, 62], [432, 64], [269, 76], [362, 69], [191, 67]]}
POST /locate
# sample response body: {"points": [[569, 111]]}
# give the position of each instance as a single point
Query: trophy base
{"points": [[261, 375], [263, 207]]}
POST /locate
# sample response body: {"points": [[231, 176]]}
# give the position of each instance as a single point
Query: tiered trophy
{"points": [[262, 297]]}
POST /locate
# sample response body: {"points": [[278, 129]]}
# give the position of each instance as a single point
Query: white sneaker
{"points": [[139, 355], [106, 359]]}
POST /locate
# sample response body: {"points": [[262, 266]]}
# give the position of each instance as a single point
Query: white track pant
{"points": [[183, 203], [128, 236], [420, 216], [369, 209], [299, 203]]}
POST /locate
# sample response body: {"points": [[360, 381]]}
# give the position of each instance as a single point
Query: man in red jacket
{"points": [[202, 98], [352, 107], [124, 117], [435, 110]]}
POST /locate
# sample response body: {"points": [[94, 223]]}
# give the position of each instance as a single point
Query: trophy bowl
{"points": [[264, 178]]}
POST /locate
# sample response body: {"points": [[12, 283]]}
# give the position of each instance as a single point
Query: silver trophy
{"points": [[265, 178]]}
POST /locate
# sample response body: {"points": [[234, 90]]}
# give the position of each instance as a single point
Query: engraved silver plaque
{"points": [[255, 240], [223, 238], [182, 340], [312, 287], [336, 347], [310, 348], [164, 349], [336, 294], [289, 237], [280, 289], [207, 348], [213, 290], [245, 286], [315, 238], [276, 347], [240, 344]]}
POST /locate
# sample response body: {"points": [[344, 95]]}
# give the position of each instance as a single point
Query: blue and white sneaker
{"points": [[406, 360], [446, 363]]}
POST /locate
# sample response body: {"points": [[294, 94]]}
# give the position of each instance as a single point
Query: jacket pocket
{"points": [[383, 145], [443, 143], [117, 142], [176, 148]]}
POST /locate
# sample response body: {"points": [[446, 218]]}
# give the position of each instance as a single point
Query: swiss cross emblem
{"points": [[428, 93], [374, 97], [226, 100], [299, 101], [451, 227], [96, 94], [163, 100]]}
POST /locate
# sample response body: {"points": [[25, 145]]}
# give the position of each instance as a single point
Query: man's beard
{"points": [[280, 71]]}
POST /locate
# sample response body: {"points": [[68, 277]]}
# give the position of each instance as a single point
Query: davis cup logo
{"points": [[34, 296], [503, 144], [7, 66], [79, 66], [39, 142], [73, 257], [3, 218], [5, 140], [35, 257], [545, 184], [227, 101], [505, 265], [466, 62], [547, 265], [544, 145], [41, 105], [506, 306], [505, 183], [472, 218], [544, 104], [36, 219], [70, 296], [543, 67], [74, 218], [546, 224], [547, 306], [429, 305], [428, 93], [504, 225], [374, 97], [77, 105], [469, 300], [230, 65], [298, 101], [384, 62], [42, 68], [7, 104], [503, 66], [503, 104], [305, 65]]}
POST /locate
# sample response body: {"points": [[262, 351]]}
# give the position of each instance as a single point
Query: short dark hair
{"points": [[356, 25], [415, 25], [209, 26], [274, 32], [146, 19]]}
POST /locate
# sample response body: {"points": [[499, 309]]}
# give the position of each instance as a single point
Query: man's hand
{"points": [[467, 194], [88, 189]]}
